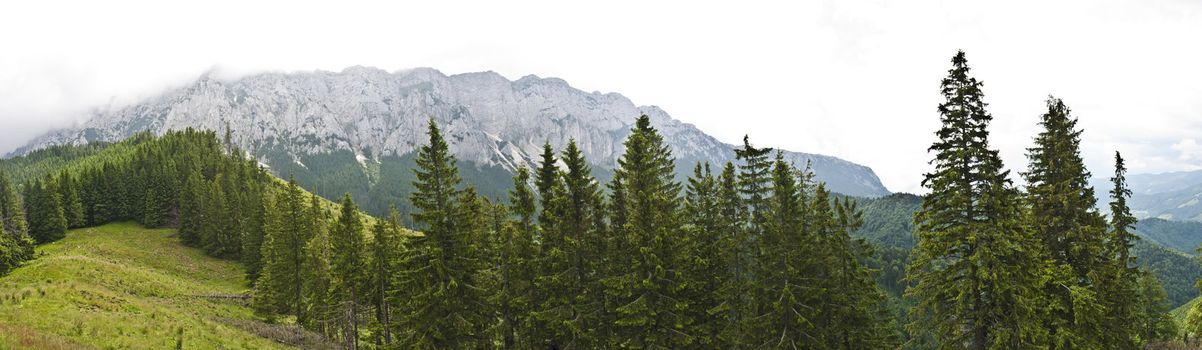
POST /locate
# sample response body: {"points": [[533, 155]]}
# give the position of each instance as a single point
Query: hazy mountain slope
{"points": [[1171, 196], [353, 122]]}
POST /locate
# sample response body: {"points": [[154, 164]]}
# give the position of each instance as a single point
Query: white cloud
{"points": [[855, 79], [1188, 149]]}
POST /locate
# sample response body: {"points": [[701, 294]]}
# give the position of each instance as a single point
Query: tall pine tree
{"points": [[1062, 214], [786, 305], [735, 309], [703, 260], [44, 207], [514, 297], [444, 307], [289, 229], [316, 279], [68, 189], [1122, 222], [384, 247], [975, 271], [648, 290], [12, 223], [572, 302], [350, 268], [755, 182]]}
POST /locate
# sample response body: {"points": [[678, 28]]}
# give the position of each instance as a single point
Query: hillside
{"points": [[1177, 271], [123, 286], [356, 130], [889, 220], [1184, 236]]}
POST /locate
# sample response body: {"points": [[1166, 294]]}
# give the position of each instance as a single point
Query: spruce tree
{"points": [[703, 259], [479, 215], [549, 300], [44, 207], [1121, 219], [1154, 324], [787, 304], [315, 280], [1135, 308], [648, 290], [549, 185], [1119, 281], [863, 319], [975, 271], [191, 210], [439, 270], [289, 228], [12, 221], [1062, 214], [215, 235], [102, 205], [516, 263], [349, 267], [13, 246], [72, 205], [254, 231], [734, 310], [755, 182], [384, 247], [9, 252], [231, 226], [56, 223], [571, 305], [493, 253], [152, 216]]}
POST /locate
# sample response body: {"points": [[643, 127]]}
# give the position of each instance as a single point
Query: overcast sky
{"points": [[854, 79]]}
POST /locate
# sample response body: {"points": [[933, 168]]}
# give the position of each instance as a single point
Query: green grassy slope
{"points": [[124, 286]]}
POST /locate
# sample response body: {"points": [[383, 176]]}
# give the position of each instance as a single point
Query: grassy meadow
{"points": [[122, 286]]}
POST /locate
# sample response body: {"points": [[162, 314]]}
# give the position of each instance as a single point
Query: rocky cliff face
{"points": [[370, 113]]}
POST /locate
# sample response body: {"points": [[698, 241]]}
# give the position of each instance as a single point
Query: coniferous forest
{"points": [[750, 254]]}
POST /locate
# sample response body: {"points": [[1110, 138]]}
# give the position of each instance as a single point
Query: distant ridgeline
{"points": [[357, 131]]}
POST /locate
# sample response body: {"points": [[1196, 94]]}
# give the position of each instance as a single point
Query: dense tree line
{"points": [[753, 256], [187, 179], [16, 246], [1001, 268]]}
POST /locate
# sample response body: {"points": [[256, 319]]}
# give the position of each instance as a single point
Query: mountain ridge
{"points": [[489, 119]]}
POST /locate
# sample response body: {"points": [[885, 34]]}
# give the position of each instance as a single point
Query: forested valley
{"points": [[743, 255]]}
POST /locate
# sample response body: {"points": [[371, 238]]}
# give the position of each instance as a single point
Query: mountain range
{"points": [[1169, 196], [356, 130]]}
